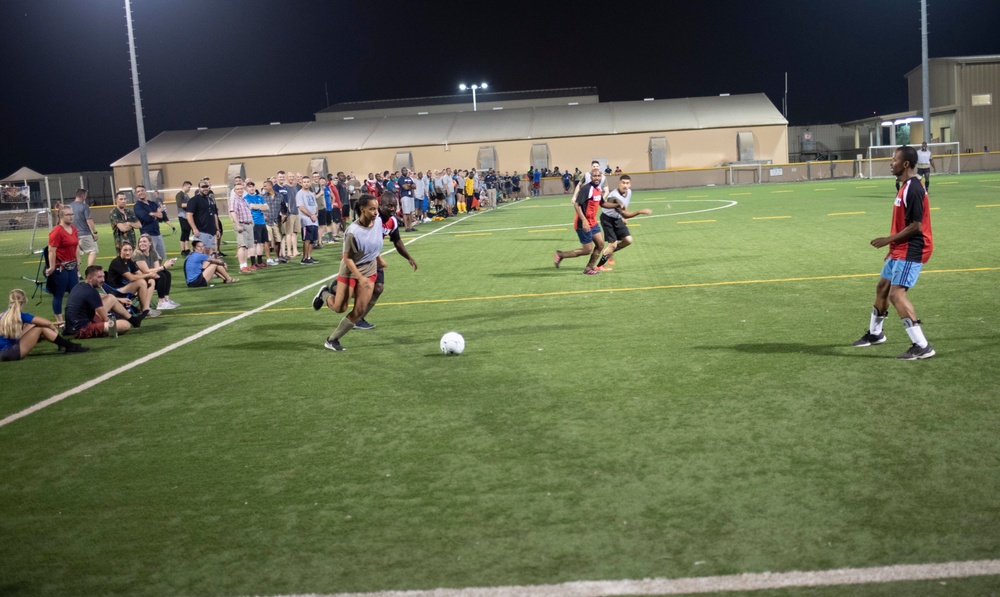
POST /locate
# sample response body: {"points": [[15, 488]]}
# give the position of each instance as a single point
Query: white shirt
{"points": [[923, 158], [613, 213]]}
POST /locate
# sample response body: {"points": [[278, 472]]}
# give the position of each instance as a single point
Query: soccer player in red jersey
{"points": [[588, 201], [911, 243]]}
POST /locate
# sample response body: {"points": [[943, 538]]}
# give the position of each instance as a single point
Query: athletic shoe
{"points": [[167, 304], [557, 259], [272, 262], [868, 339], [74, 347], [603, 268], [320, 299], [153, 313], [591, 272], [282, 259], [333, 345], [309, 261], [611, 262], [245, 270], [221, 254], [915, 352], [364, 325]]}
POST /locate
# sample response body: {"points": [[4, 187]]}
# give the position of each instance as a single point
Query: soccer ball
{"points": [[452, 343]]}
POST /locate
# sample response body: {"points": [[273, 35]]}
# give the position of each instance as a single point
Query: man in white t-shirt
{"points": [[613, 220], [308, 208], [924, 164]]}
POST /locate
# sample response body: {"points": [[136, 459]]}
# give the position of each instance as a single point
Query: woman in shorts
{"points": [[151, 262], [20, 331], [358, 270]]}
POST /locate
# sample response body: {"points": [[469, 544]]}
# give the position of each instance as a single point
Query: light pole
{"points": [[474, 88]]}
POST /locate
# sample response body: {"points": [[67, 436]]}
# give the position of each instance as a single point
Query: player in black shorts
{"points": [[387, 207], [613, 220]]}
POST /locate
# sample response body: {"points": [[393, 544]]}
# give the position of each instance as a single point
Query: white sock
{"points": [[914, 332], [242, 265], [875, 327]]}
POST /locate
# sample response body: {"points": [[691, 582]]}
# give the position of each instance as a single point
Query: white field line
{"points": [[116, 372], [729, 203], [710, 584]]}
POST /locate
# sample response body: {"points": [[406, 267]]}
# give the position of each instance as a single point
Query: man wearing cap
{"points": [[202, 216]]}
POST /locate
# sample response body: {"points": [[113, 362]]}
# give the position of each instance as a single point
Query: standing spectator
{"points": [[567, 178], [258, 207], [272, 217], [490, 182], [20, 331], [158, 268], [338, 194], [536, 183], [407, 199], [86, 230], [515, 185], [292, 226], [308, 222], [203, 217], [182, 199], [62, 270], [150, 215], [123, 222], [242, 219]]}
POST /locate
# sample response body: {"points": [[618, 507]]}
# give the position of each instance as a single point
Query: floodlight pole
{"points": [[924, 73], [474, 88], [144, 160]]}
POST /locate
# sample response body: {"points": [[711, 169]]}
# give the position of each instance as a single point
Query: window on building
{"points": [[982, 99]]}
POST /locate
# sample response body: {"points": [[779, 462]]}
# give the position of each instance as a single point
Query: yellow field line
{"points": [[935, 208], [697, 222], [782, 191], [548, 230], [984, 180], [990, 205], [696, 196], [475, 234], [867, 186], [953, 182], [847, 213], [737, 194], [773, 218], [605, 290], [824, 190]]}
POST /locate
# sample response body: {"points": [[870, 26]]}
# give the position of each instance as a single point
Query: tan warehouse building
{"points": [[564, 128]]}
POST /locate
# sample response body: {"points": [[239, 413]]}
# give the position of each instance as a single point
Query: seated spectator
{"points": [[87, 310], [125, 278], [152, 264], [20, 331], [200, 267]]}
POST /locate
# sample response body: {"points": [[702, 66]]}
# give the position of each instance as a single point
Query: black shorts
{"points": [[12, 352], [380, 276], [614, 229], [323, 217], [199, 282], [310, 233], [922, 171], [259, 234], [345, 210], [336, 216]]}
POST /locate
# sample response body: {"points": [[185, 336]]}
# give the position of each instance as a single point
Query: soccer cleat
{"points": [[557, 259], [333, 345], [868, 339], [916, 353], [245, 270], [603, 268], [320, 299], [591, 271], [363, 325]]}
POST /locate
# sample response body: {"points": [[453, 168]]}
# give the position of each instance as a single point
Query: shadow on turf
{"points": [[827, 350]]}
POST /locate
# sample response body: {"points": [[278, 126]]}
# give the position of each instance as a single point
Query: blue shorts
{"points": [[310, 233], [901, 273], [587, 236]]}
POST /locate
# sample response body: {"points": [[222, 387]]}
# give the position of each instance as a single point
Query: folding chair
{"points": [[40, 280]]}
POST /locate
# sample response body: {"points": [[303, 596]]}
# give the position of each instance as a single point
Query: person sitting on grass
{"points": [[87, 310], [152, 264], [20, 331], [125, 278], [200, 267]]}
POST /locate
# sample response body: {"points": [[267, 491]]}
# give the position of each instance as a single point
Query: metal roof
{"points": [[462, 98], [460, 127]]}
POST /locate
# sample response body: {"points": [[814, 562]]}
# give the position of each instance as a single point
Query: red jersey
{"points": [[589, 199], [64, 242], [912, 205], [334, 196]]}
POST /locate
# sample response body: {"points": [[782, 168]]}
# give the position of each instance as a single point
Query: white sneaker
{"points": [[272, 262], [154, 313], [167, 304]]}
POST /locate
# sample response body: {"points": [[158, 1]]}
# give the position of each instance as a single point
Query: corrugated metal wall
{"points": [[979, 126]]}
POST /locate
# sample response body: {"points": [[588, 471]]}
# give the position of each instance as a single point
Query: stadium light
{"points": [[463, 87]]}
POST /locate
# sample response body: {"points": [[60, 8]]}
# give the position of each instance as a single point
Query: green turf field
{"points": [[698, 411]]}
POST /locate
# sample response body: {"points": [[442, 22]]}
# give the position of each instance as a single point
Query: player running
{"points": [[587, 201], [613, 220]]}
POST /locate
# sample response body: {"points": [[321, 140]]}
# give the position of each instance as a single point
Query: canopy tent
{"points": [[23, 175]]}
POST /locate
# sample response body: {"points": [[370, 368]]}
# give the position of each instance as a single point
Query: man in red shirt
{"points": [[588, 202], [911, 243]]}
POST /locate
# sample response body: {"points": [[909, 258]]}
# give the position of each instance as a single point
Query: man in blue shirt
{"points": [[150, 215]]}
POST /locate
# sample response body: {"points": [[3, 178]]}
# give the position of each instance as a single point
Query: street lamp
{"points": [[474, 88]]}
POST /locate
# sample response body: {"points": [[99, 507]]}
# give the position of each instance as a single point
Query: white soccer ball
{"points": [[452, 343]]}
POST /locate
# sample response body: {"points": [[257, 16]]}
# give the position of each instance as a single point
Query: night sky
{"points": [[67, 102]]}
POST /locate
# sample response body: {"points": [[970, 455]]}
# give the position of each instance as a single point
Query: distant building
{"points": [[509, 131]]}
